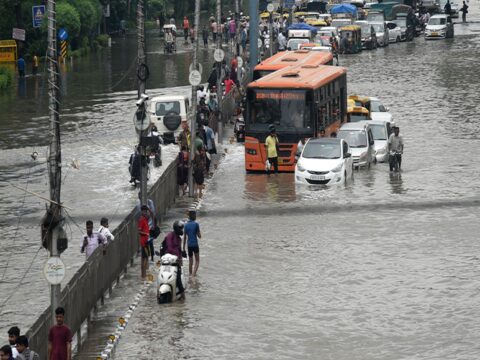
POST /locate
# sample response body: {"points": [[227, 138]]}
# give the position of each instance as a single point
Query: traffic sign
{"points": [[218, 55], [54, 270], [63, 49], [239, 61], [200, 68], [195, 78], [18, 34], [38, 12], [62, 34], [270, 7]]}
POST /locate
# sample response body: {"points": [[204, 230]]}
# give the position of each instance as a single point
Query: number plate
{"points": [[434, 34], [317, 177]]}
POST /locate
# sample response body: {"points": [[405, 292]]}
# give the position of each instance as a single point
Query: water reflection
{"points": [[270, 188], [396, 183], [22, 87]]}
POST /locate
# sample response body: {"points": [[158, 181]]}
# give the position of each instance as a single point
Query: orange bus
{"points": [[299, 101], [284, 59]]}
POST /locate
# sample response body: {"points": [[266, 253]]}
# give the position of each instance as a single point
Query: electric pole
{"points": [[196, 25], [142, 75], [237, 23], [253, 12], [219, 72], [53, 219]]}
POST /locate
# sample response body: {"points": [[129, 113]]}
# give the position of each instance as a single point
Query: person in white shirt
{"points": [[91, 240], [282, 42], [105, 231], [13, 334]]}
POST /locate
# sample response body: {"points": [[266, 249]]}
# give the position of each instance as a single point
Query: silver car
{"points": [[381, 30]]}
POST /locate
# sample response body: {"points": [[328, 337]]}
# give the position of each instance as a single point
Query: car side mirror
{"points": [[347, 155]]}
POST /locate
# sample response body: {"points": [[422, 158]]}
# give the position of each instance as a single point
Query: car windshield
{"points": [[376, 106], [315, 150], [437, 21], [294, 44], [378, 28], [358, 117], [379, 132], [286, 109], [400, 22], [354, 138], [325, 33], [161, 108], [375, 17], [366, 30]]}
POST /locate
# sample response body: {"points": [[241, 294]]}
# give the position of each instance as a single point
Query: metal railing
{"points": [[98, 274]]}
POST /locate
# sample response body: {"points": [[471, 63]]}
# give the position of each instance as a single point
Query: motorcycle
{"points": [[167, 279], [394, 158]]}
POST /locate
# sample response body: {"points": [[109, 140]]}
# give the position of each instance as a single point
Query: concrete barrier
{"points": [[97, 275]]}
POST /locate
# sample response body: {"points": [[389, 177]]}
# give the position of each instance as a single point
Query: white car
{"points": [[439, 26], [359, 138], [324, 161], [381, 30], [378, 111], [381, 131], [169, 111], [394, 32]]}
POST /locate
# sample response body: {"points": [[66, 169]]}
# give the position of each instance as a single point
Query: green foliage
{"points": [[102, 40], [69, 19], [90, 13], [6, 77]]}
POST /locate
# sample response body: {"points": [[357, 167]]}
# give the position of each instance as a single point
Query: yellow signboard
{"points": [[8, 51]]}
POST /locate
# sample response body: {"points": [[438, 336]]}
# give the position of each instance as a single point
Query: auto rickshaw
{"points": [[350, 39], [317, 23]]}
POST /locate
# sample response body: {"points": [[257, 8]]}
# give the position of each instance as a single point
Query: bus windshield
{"points": [[286, 109]]}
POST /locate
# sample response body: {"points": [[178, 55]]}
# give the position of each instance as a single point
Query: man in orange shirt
{"points": [[186, 27], [144, 234]]}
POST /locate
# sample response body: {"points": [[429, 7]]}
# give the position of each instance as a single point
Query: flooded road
{"points": [[384, 268]]}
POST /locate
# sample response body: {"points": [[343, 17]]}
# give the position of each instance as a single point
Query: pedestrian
{"points": [[182, 170], [199, 172], [172, 244], [191, 236], [214, 31], [144, 234], [35, 65], [209, 144], [13, 334], [282, 42], [186, 27], [24, 351], [152, 223], [271, 146], [464, 11], [232, 29], [192, 34], [448, 8], [395, 145], [21, 66], [6, 353], [321, 133], [184, 136], [243, 38], [105, 231], [205, 36], [228, 84], [233, 71], [226, 28], [60, 338], [91, 240]]}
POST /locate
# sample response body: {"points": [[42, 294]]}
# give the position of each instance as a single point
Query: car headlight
{"points": [[300, 167], [337, 168]]}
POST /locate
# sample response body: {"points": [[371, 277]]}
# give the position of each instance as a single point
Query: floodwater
{"points": [[383, 268], [98, 136]]}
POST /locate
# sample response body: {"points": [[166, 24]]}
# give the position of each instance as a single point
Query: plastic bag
{"points": [[267, 165]]}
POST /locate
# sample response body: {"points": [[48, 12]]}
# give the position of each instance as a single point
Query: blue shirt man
{"points": [[21, 66], [192, 234]]}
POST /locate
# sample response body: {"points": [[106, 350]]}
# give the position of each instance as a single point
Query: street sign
{"points": [[62, 34], [54, 270], [270, 7], [239, 61], [63, 49], [37, 15], [18, 34], [200, 68], [195, 78], [218, 55]]}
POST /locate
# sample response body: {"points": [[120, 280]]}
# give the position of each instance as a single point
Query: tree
{"points": [[69, 19], [90, 13]]}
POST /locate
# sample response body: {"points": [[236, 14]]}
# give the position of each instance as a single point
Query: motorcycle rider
{"points": [[395, 145], [169, 40], [173, 245]]}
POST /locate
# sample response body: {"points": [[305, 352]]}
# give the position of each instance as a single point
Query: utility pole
{"points": [[219, 72], [194, 99], [237, 24], [54, 213], [253, 12], [142, 75]]}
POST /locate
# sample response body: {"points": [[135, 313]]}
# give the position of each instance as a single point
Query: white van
{"points": [[169, 111], [359, 138]]}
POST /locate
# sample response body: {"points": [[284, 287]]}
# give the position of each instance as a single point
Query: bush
{"points": [[102, 40], [6, 77]]}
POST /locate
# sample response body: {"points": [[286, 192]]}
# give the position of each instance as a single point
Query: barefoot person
{"points": [[192, 234]]}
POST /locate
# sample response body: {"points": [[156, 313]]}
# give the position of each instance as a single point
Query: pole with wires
{"points": [[193, 119], [219, 73], [253, 12], [142, 75], [52, 223]]}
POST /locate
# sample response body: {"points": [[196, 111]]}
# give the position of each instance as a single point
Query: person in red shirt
{"points": [[186, 27], [60, 338], [228, 84], [144, 234]]}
